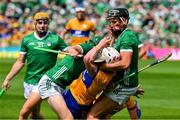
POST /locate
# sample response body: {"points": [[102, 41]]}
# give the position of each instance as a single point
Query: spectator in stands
{"points": [[79, 27]]}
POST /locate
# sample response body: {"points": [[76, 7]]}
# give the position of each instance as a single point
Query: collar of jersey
{"points": [[37, 37]]}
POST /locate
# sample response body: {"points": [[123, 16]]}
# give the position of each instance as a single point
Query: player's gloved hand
{"points": [[6, 85], [140, 91]]}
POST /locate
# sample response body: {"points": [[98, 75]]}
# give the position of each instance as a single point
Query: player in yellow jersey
{"points": [[131, 104], [92, 81], [79, 27]]}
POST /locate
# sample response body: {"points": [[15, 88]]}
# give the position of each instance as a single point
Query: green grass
{"points": [[161, 99]]}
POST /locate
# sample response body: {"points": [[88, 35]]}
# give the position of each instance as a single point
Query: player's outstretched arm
{"points": [[18, 65]]}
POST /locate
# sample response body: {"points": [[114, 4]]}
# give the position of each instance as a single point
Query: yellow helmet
{"points": [[40, 16]]}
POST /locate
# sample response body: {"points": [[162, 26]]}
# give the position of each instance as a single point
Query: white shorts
{"points": [[48, 88], [28, 88], [120, 94]]}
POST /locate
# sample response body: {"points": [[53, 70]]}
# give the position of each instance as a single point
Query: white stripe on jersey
{"points": [[140, 45], [126, 50], [126, 73], [23, 52], [59, 72]]}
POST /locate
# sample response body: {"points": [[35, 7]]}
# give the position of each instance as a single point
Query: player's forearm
{"points": [[115, 66], [90, 56], [122, 64], [18, 65], [142, 52], [63, 34], [89, 60]]}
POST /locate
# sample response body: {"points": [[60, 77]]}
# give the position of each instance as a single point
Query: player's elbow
{"points": [[87, 59]]}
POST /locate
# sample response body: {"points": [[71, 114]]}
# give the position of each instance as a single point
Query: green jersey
{"points": [[128, 42], [38, 62], [69, 68], [66, 70]]}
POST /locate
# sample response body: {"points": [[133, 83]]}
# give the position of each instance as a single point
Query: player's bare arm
{"points": [[123, 63], [74, 50], [90, 56], [63, 33], [18, 65]]}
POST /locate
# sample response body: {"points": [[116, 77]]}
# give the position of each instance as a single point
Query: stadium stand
{"points": [[157, 23]]}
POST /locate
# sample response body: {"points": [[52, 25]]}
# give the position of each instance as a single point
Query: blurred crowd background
{"points": [[156, 22]]}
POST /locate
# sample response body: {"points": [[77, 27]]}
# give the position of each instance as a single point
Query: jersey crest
{"points": [[49, 44]]}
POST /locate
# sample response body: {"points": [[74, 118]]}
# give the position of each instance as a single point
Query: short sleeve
{"points": [[23, 48], [128, 43], [86, 47]]}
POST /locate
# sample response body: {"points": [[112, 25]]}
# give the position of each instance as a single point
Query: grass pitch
{"points": [[161, 99]]}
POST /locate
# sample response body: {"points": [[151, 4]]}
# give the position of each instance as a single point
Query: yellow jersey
{"points": [[84, 89], [80, 30]]}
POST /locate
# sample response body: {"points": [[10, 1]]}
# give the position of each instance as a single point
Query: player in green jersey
{"points": [[126, 42], [38, 62], [62, 74]]}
